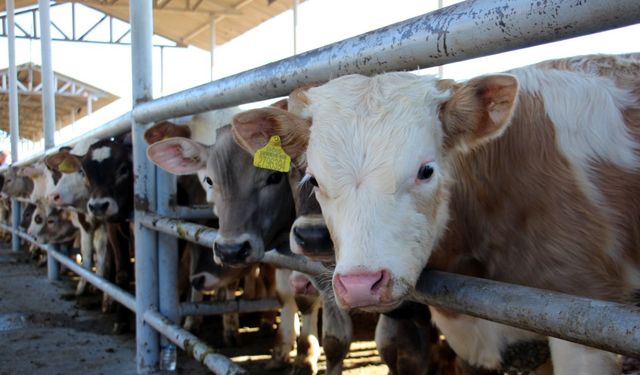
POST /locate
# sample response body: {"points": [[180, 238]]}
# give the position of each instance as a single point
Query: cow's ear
{"points": [[164, 130], [30, 172], [478, 111], [283, 104], [64, 162], [253, 129], [178, 155]]}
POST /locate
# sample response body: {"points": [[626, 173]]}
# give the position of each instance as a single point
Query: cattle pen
{"points": [[459, 32]]}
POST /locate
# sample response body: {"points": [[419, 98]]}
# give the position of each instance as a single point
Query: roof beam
{"points": [[205, 26]]}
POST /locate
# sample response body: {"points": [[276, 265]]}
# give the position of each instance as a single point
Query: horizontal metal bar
{"points": [[200, 234], [112, 128], [112, 290], [205, 236], [200, 212], [23, 200], [459, 32], [195, 348], [226, 307], [605, 325]]}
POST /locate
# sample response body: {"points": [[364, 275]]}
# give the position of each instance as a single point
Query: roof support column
{"points": [[48, 103], [295, 27], [14, 125], [48, 93]]}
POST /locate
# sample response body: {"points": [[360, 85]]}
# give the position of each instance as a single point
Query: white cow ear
{"points": [[478, 111], [178, 155]]}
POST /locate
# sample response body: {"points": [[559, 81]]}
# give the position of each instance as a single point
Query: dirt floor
{"points": [[45, 330]]}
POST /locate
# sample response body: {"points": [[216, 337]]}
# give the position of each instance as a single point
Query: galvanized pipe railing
{"points": [[181, 337], [588, 322], [203, 235], [463, 31], [114, 291], [606, 325], [203, 353], [115, 127], [227, 307]]}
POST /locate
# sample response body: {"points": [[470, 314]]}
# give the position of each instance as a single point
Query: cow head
{"points": [[309, 235], [44, 179], [15, 184], [165, 130], [253, 205], [72, 189], [106, 172], [208, 275], [380, 155]]}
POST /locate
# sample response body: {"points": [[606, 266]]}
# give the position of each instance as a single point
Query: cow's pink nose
{"points": [[302, 285], [361, 289], [54, 198]]}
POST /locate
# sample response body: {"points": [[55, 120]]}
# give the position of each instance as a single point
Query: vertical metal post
{"points": [[295, 27], [167, 250], [161, 70], [89, 105], [440, 67], [212, 35], [14, 125], [48, 102], [141, 16]]}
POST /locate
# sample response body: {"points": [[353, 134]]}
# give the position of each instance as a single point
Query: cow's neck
{"points": [[518, 213]]}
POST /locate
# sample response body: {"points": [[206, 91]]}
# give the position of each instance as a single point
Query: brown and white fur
{"points": [[529, 177]]}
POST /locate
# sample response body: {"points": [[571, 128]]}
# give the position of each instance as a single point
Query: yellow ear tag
{"points": [[66, 167], [272, 156]]}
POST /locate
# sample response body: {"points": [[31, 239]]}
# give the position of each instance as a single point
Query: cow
{"points": [[511, 176], [204, 274], [404, 339], [72, 190], [107, 172], [254, 207]]}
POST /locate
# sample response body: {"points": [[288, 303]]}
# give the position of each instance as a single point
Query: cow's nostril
{"points": [[197, 282], [380, 282], [297, 236], [244, 251]]}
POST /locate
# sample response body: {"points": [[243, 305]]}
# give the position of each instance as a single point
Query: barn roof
{"points": [[187, 22], [74, 100]]}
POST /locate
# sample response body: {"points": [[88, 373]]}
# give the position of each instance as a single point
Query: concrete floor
{"points": [[45, 330]]}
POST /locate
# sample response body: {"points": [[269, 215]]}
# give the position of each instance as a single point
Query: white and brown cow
{"points": [[404, 341], [529, 177]]}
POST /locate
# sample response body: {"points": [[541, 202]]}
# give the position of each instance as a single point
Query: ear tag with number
{"points": [[272, 156], [66, 167]]}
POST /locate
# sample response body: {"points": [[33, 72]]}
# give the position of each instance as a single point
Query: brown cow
{"points": [[529, 177]]}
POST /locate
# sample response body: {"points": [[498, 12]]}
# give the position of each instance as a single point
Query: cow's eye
{"points": [[123, 171], [425, 172], [208, 180], [38, 219], [274, 178]]}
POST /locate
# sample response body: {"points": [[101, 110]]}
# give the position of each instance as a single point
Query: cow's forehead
{"points": [[381, 127]]}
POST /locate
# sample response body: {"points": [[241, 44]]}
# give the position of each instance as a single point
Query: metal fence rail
{"points": [[463, 31], [466, 30]]}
